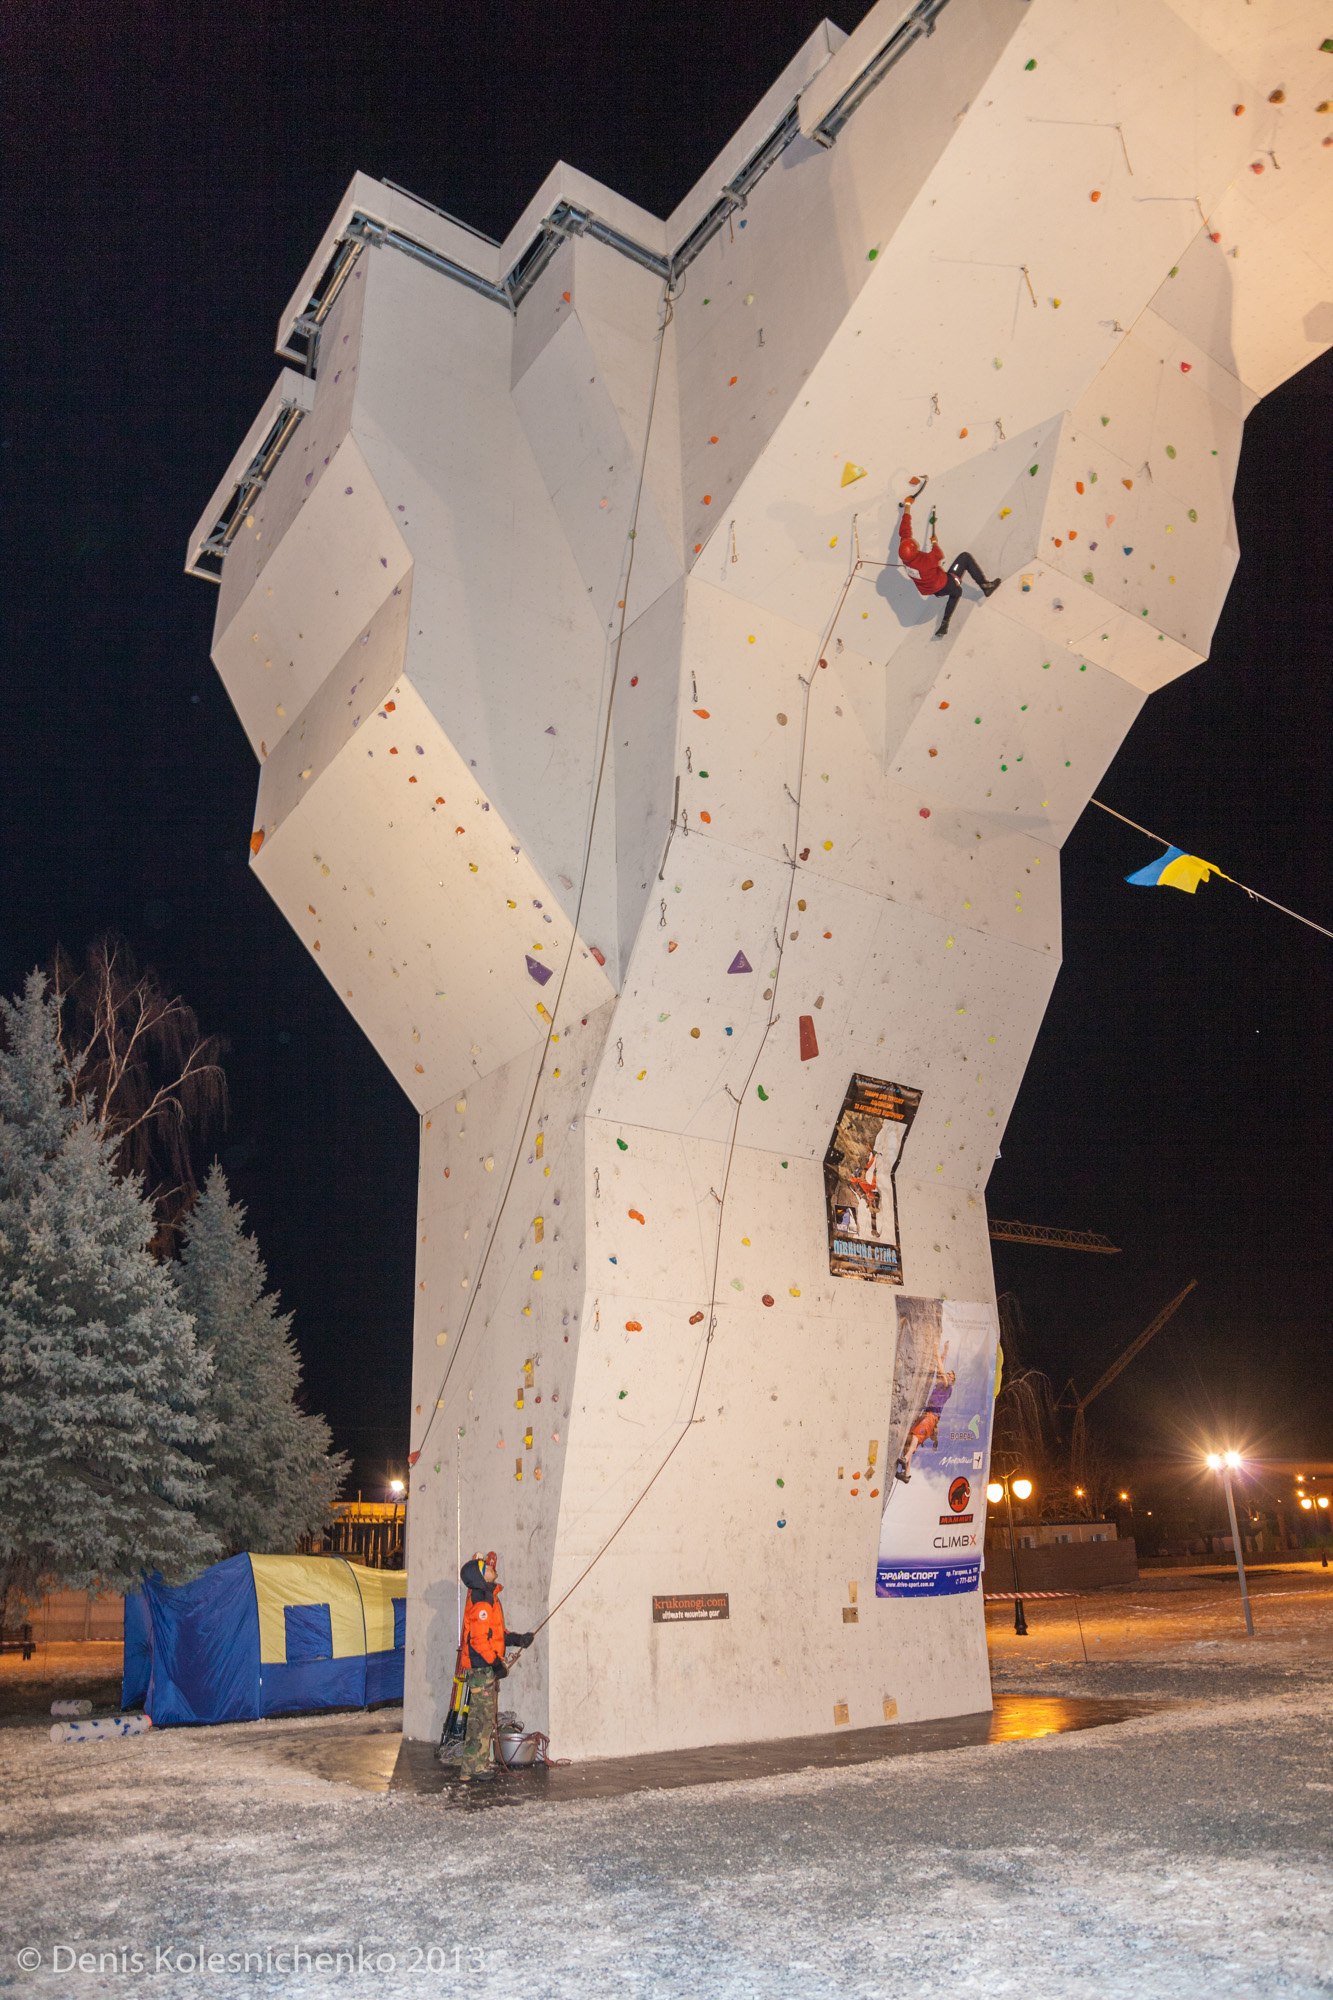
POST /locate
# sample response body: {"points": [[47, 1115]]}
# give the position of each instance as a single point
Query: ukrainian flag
{"points": [[1175, 870]]}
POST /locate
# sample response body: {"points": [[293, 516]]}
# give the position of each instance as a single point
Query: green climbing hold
{"points": [[871, 256], [623, 1145], [1174, 271], [1004, 767], [784, 1163], [782, 1482], [1326, 46], [1046, 666], [1087, 576], [1083, 667], [1106, 420], [1170, 451], [1194, 513], [763, 1094], [1031, 63], [1022, 708], [621, 1397], [1032, 472], [703, 774]]}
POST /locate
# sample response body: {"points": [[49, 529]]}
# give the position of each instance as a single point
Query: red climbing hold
{"points": [[809, 1040]]}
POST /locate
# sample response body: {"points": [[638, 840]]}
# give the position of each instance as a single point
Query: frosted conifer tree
{"points": [[101, 1382], [272, 1477]]}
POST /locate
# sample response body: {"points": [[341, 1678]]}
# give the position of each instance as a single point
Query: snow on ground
{"points": [[1186, 1852]]}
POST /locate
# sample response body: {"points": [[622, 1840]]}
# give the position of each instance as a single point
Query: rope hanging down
{"points": [[1255, 895], [599, 775], [738, 1100]]}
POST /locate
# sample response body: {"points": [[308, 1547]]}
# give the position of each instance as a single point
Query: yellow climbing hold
{"points": [[851, 473]]}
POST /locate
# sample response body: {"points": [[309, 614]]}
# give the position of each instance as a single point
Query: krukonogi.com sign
{"points": [[691, 1607]]}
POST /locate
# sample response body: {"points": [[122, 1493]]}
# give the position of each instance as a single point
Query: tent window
{"points": [[309, 1633], [399, 1622]]}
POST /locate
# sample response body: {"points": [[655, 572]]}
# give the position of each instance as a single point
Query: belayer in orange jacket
{"points": [[483, 1654], [927, 571]]}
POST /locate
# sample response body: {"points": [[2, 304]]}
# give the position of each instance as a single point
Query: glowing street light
{"points": [[1008, 1488], [1227, 1462]]}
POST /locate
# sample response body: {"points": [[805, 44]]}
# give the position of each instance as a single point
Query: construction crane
{"points": [[1054, 1239], [1078, 1441]]}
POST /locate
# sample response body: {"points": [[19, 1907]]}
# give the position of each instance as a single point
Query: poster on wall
{"points": [[943, 1396], [859, 1189]]}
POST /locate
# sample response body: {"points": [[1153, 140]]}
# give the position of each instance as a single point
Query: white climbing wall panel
{"points": [[612, 770]]}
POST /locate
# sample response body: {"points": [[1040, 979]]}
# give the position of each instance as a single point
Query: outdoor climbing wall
{"points": [[613, 772]]}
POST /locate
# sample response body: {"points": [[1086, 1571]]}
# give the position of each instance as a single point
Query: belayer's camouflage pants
{"points": [[482, 1702]]}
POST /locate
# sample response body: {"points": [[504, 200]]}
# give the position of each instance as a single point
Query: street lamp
{"points": [[1008, 1488], [1227, 1462], [398, 1491]]}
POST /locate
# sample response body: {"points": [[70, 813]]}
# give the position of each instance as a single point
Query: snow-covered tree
{"points": [[272, 1476], [101, 1382]]}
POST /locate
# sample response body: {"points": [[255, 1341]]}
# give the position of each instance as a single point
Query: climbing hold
{"points": [[622, 1145], [1032, 471], [598, 955], [808, 1041], [704, 714], [851, 473], [541, 973], [1005, 512], [694, 1034], [1185, 367], [633, 1326], [871, 255], [1277, 96], [923, 812], [740, 963], [695, 1318], [1078, 486], [767, 1299], [1170, 451], [256, 840], [1096, 195], [634, 1215], [1031, 63], [763, 1094], [748, 883], [963, 432], [621, 1397]]}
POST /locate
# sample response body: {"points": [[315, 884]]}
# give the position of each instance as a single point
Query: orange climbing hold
{"points": [[634, 1215], [703, 714], [633, 1326], [256, 840]]}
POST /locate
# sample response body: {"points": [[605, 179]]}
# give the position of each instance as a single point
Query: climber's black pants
{"points": [[952, 587]]}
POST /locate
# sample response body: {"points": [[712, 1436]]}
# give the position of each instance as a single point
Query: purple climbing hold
{"points": [[740, 963], [541, 973]]}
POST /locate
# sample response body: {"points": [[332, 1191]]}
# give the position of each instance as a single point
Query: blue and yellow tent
{"points": [[265, 1635]]}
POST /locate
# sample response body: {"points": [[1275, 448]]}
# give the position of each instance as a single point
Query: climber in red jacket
{"points": [[926, 566]]}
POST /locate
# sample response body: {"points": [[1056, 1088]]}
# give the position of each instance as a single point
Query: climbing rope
{"points": [[738, 1100], [599, 775]]}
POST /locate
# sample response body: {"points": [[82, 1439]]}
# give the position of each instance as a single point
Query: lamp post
{"points": [[398, 1492], [1004, 1489], [1227, 1462]]}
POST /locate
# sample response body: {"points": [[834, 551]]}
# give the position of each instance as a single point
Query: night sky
{"points": [[169, 171]]}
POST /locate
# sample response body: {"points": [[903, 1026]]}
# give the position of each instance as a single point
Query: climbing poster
{"points": [[934, 1513], [859, 1189]]}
